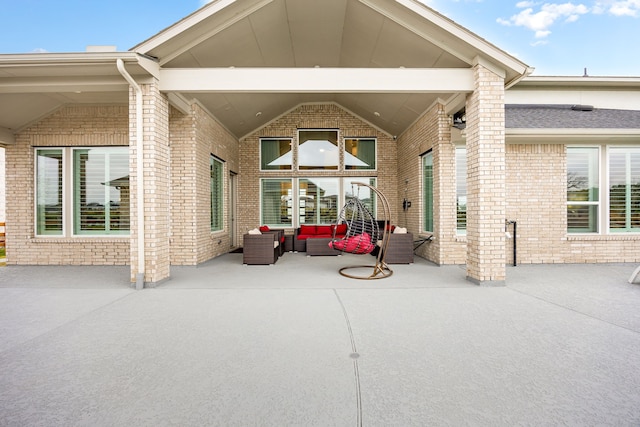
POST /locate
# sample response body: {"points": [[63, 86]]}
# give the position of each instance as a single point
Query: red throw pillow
{"points": [[358, 244], [264, 228]]}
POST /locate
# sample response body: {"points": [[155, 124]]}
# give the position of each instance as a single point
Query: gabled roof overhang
{"points": [[249, 61], [385, 60]]}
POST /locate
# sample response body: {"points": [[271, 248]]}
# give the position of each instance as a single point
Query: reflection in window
{"points": [[216, 170], [365, 194], [101, 190], [359, 153], [318, 200], [49, 192], [461, 190], [582, 190], [276, 197], [427, 189], [318, 150], [275, 154], [624, 189]]}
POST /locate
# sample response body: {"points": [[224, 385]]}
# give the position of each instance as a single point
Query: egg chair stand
{"points": [[363, 235]]}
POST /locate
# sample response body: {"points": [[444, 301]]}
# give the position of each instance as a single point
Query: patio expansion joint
{"points": [[62, 325], [354, 355], [576, 311]]}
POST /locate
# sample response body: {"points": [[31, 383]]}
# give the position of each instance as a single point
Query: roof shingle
{"points": [[523, 116]]}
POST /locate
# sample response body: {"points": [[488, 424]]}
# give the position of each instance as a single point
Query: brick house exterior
{"points": [[193, 115]]}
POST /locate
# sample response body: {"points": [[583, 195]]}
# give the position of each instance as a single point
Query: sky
{"points": [[557, 39]]}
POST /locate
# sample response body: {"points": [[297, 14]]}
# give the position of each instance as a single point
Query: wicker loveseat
{"points": [[399, 249], [400, 245]]}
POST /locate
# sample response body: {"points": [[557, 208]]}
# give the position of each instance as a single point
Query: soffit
{"points": [[306, 34], [34, 85]]}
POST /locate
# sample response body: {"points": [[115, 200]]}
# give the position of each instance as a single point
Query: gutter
{"points": [[527, 72], [139, 173]]}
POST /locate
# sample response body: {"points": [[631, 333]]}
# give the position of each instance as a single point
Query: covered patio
{"points": [[295, 343], [212, 87]]}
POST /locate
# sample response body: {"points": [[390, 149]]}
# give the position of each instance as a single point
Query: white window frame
{"points": [[423, 226], [343, 152], [339, 147], [461, 231], [221, 209], [295, 195], [68, 202], [277, 139], [605, 193], [602, 192], [293, 200], [604, 154]]}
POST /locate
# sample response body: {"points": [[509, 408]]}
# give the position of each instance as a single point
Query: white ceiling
{"points": [[310, 33], [267, 33]]}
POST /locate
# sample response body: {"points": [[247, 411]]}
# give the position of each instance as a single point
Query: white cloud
{"points": [[39, 50], [618, 7], [625, 8], [539, 43], [541, 21]]}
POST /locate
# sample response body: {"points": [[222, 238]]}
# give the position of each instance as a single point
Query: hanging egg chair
{"points": [[363, 234]]}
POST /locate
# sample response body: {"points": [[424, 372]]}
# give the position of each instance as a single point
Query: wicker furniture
{"points": [[279, 236], [399, 249], [260, 249], [306, 232], [320, 246]]}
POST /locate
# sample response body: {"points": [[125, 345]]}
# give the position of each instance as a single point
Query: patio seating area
{"points": [[228, 344]]}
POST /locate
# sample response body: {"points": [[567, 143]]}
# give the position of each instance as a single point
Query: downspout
{"points": [[139, 172]]}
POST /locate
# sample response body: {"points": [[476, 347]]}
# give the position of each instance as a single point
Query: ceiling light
{"points": [[375, 113]]}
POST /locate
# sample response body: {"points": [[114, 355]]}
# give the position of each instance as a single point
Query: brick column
{"points": [[486, 191], [156, 184]]}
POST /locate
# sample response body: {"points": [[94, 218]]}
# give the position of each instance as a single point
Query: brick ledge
{"points": [[601, 237], [63, 240]]}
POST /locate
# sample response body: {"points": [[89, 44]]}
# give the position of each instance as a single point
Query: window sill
{"points": [[83, 239], [603, 237]]}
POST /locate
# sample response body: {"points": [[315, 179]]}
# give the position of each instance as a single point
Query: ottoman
{"points": [[320, 246]]}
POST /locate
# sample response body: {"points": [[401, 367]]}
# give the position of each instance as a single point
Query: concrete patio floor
{"points": [[296, 344]]}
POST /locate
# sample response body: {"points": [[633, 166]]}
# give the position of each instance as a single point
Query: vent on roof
{"points": [[579, 107]]}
